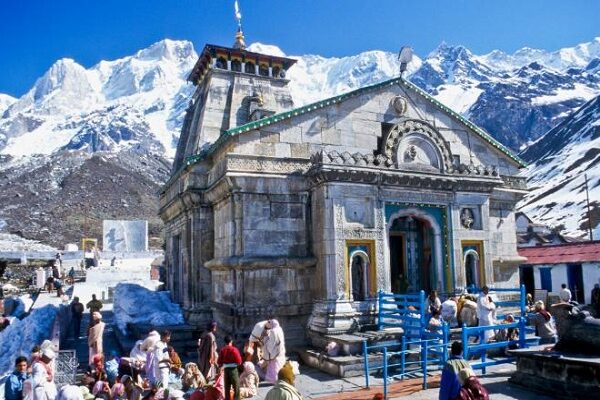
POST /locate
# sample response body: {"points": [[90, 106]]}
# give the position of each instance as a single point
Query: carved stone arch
{"points": [[429, 136]]}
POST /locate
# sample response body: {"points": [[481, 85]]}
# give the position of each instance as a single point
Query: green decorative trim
{"points": [[338, 99]]}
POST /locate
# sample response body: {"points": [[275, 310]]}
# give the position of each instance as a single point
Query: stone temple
{"points": [[305, 213]]}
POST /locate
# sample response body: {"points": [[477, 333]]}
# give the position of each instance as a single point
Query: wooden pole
{"points": [[589, 214]]}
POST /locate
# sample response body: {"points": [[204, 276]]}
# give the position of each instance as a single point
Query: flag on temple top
{"points": [[238, 14]]}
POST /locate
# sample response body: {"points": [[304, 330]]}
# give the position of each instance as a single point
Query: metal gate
{"points": [[66, 368]]}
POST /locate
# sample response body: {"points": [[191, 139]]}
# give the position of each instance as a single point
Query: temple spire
{"points": [[239, 35]]}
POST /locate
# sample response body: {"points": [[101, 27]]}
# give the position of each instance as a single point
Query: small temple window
{"points": [[358, 277], [276, 72], [250, 69], [221, 63], [236, 65], [263, 70]]}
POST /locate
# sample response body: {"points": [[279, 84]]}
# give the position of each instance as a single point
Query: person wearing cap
{"points": [[42, 379], [13, 389], [95, 332], [284, 388], [207, 352]]}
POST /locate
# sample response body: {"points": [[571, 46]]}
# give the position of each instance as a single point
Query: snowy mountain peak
{"points": [[168, 49], [268, 49], [5, 102], [64, 87], [63, 73], [569, 57]]}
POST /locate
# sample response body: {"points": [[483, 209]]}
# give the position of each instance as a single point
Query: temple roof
{"points": [[337, 99], [211, 51]]}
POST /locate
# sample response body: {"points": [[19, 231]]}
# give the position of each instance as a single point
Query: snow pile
{"points": [[138, 305], [9, 242], [18, 305], [21, 335]]}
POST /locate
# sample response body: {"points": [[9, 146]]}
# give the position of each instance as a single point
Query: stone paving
{"points": [[314, 384]]}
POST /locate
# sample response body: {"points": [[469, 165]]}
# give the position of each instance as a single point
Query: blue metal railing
{"points": [[433, 355], [481, 347], [393, 311]]}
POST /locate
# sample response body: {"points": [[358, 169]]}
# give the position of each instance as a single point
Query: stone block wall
{"points": [[274, 225], [243, 297]]}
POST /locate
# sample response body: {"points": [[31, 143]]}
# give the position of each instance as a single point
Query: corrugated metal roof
{"points": [[562, 253]]}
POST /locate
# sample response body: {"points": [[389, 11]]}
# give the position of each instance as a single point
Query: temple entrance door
{"points": [[411, 255]]}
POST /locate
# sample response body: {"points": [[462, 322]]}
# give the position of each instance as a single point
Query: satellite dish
{"points": [[405, 56], [282, 74]]}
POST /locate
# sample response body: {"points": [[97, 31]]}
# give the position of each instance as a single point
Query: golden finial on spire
{"points": [[239, 35]]}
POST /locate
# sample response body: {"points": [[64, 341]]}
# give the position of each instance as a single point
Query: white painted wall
{"points": [[590, 271]]}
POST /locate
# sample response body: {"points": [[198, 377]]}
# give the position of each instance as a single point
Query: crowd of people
{"points": [[154, 371], [472, 310]]}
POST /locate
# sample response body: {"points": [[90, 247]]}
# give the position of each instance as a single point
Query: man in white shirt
{"points": [[161, 356], [485, 311], [565, 294]]}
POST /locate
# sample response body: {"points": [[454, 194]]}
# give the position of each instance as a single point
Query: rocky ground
{"points": [[61, 198]]}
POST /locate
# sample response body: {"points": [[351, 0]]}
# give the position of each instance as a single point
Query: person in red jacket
{"points": [[229, 360]]}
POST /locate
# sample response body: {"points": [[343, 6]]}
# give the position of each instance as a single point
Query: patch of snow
{"points": [[21, 335], [578, 92], [458, 98], [268, 49], [10, 242], [138, 305]]}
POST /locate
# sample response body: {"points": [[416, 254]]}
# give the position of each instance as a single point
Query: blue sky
{"points": [[35, 33]]}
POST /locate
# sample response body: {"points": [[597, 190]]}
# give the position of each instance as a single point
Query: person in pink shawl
{"points": [[273, 350]]}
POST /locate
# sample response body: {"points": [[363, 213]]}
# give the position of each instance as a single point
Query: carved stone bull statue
{"points": [[578, 332]]}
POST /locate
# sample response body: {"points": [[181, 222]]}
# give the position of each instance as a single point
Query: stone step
{"points": [[341, 366]]}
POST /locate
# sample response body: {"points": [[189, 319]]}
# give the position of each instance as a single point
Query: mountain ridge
{"points": [[129, 111]]}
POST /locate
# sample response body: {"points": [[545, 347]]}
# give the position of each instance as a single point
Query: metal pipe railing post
{"points": [[445, 339], [523, 299], [465, 340], [366, 358], [403, 357], [425, 365], [522, 333], [380, 303], [385, 373], [484, 354], [422, 311]]}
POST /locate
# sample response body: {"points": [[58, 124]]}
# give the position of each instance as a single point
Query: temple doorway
{"points": [[411, 243]]}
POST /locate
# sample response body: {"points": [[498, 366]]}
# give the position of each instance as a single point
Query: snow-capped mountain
{"points": [[136, 104], [131, 102], [559, 162], [139, 101], [5, 102]]}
